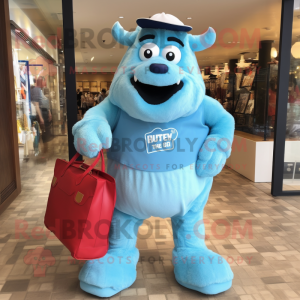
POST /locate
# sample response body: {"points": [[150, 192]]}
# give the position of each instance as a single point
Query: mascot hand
{"points": [[91, 136], [211, 159]]}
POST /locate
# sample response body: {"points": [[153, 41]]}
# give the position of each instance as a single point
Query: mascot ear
{"points": [[123, 36], [203, 41]]}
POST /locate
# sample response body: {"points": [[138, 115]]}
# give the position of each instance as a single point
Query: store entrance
{"points": [[240, 71], [39, 90]]}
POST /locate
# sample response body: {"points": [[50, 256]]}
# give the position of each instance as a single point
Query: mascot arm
{"points": [[217, 146], [94, 131]]}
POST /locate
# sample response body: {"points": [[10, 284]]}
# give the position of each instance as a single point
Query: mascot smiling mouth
{"points": [[153, 94]]}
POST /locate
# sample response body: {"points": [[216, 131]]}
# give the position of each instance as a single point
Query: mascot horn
{"points": [[166, 141]]}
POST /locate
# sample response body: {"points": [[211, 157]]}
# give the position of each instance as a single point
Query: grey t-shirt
{"points": [[37, 95]]}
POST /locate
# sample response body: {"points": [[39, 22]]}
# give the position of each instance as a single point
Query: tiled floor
{"points": [[265, 262]]}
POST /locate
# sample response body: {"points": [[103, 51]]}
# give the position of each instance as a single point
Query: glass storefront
{"points": [[38, 79], [291, 176], [240, 71]]}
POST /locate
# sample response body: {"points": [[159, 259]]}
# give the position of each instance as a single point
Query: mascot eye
{"points": [[148, 50], [172, 54]]}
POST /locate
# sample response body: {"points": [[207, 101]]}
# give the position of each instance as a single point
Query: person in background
{"points": [[96, 99], [272, 98], [90, 100], [79, 94], [102, 95], [42, 106], [79, 107], [84, 105], [294, 92]]}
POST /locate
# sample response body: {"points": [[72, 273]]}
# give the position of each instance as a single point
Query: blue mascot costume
{"points": [[166, 141]]}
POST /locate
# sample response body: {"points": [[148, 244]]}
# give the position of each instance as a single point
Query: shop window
{"points": [[38, 79]]}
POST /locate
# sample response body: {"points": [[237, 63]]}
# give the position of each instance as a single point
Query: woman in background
{"points": [[43, 112]]}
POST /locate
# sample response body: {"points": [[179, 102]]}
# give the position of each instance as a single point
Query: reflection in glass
{"points": [[291, 175], [38, 78]]}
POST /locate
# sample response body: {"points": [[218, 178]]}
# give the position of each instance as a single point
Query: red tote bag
{"points": [[80, 207]]}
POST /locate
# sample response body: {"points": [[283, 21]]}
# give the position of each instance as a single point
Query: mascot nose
{"points": [[159, 68]]}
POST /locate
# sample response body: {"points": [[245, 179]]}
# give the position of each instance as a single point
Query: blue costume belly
{"points": [[159, 194], [158, 147]]}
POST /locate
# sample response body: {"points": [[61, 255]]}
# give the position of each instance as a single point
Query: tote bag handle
{"points": [[91, 167]]}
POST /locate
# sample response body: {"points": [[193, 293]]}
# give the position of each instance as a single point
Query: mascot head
{"points": [[158, 79]]}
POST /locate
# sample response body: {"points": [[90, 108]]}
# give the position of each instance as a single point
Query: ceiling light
{"points": [[226, 68], [121, 17], [27, 57], [217, 70], [273, 52], [296, 48], [242, 63], [189, 18], [92, 58], [111, 55], [297, 68], [17, 49]]}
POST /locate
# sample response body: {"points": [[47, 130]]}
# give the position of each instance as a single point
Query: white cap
{"points": [[163, 21]]}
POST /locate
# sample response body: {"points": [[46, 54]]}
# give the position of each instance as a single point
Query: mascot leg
{"points": [[115, 271], [195, 266]]}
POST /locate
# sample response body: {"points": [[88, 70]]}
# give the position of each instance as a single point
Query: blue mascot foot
{"points": [[202, 270], [110, 274], [100, 292]]}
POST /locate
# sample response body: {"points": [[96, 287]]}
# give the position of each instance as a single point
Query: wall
{"points": [[10, 184], [95, 77], [95, 67]]}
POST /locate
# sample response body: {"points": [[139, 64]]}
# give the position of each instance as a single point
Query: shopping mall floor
{"points": [[265, 262]]}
